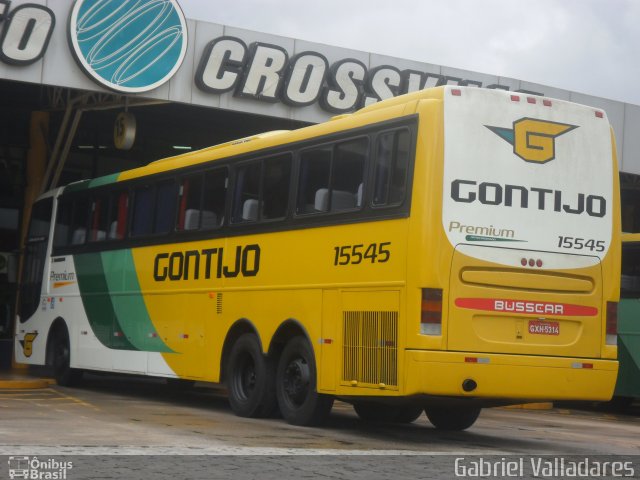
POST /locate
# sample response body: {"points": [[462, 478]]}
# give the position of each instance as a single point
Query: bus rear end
{"points": [[528, 256]]}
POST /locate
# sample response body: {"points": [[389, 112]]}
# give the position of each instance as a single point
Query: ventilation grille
{"points": [[219, 303], [370, 348]]}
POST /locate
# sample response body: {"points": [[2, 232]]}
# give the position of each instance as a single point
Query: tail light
{"points": [[431, 318], [612, 323]]}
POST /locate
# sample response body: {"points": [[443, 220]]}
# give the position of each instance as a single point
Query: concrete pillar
{"points": [[36, 166]]}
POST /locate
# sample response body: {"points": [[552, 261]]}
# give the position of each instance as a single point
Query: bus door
{"points": [[34, 268], [35, 258]]}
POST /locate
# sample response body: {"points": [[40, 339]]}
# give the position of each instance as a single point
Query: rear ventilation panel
{"points": [[370, 349]]}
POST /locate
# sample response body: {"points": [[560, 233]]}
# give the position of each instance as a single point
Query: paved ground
{"points": [[130, 416]]}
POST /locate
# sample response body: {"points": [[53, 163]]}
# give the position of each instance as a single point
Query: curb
{"points": [[23, 382]]}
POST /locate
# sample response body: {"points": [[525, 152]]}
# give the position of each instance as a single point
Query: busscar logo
{"points": [[533, 140]]}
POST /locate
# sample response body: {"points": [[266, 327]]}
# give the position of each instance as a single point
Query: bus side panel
{"points": [[207, 286]]}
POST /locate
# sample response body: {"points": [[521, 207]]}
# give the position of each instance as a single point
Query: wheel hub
{"points": [[296, 380]]}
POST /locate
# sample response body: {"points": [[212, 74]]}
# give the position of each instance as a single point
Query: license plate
{"points": [[540, 327]]}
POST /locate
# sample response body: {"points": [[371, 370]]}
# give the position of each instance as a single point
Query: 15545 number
{"points": [[576, 243], [356, 254]]}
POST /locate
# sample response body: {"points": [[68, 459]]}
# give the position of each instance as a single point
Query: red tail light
{"points": [[612, 323], [431, 318]]}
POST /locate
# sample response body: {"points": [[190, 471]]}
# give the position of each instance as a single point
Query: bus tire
{"points": [[64, 375], [377, 412], [456, 419], [251, 379], [296, 380], [408, 414]]}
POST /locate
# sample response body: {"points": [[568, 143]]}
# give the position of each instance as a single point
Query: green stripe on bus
{"points": [[96, 300], [96, 182], [77, 186], [130, 309], [105, 180]]}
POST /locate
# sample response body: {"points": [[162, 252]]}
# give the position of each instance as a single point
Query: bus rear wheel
{"points": [[455, 419], [376, 412], [296, 381], [251, 381], [62, 372]]}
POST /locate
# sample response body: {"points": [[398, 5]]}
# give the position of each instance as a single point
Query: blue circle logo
{"points": [[128, 45]]}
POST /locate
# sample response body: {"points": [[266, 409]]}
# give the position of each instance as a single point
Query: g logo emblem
{"points": [[533, 140], [126, 45]]}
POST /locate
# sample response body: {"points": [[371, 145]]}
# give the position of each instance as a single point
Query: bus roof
{"points": [[369, 114]]}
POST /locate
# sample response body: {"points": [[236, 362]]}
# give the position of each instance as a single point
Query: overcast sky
{"points": [[588, 46]]}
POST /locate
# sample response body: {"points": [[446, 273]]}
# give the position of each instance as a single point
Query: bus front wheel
{"points": [[457, 419], [296, 380], [251, 379], [62, 371]]}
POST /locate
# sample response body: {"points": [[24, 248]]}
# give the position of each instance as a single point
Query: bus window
{"points": [[348, 174], [275, 190], [165, 208], [142, 206], [247, 193], [190, 201], [99, 219], [215, 194], [392, 161], [315, 167], [63, 220], [79, 221], [117, 222]]}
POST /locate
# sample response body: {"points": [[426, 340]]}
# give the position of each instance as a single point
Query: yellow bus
{"points": [[445, 251]]}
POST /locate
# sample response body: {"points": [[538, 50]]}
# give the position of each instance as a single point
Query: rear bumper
{"points": [[516, 377]]}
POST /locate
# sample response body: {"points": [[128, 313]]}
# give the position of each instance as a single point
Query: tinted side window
{"points": [[347, 175], [99, 219], [275, 190], [165, 208], [190, 202], [118, 208], [80, 220], [392, 163], [63, 221], [40, 220], [215, 196], [315, 168], [142, 221], [246, 198], [332, 177]]}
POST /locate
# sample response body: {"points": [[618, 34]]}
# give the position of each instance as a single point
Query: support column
{"points": [[36, 166]]}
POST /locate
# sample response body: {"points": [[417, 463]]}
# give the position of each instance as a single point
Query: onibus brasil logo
{"points": [[33, 468], [533, 140]]}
